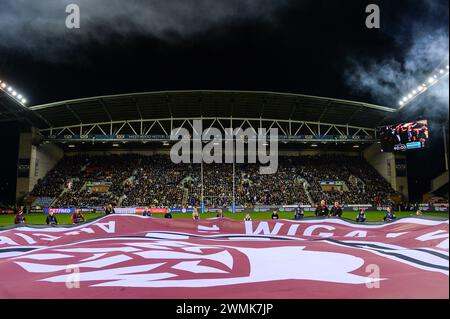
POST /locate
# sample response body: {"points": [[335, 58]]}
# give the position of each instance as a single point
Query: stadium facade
{"points": [[142, 123]]}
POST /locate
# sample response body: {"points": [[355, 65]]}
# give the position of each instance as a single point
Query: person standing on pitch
{"points": [[20, 217], [168, 215], [146, 212], [247, 218], [51, 219], [322, 210], [361, 217], [275, 215], [195, 215], [220, 214], [390, 216], [78, 217], [108, 209], [299, 213], [336, 211]]}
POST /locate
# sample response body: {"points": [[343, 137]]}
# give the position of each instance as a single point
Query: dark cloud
{"points": [[39, 26], [422, 39]]}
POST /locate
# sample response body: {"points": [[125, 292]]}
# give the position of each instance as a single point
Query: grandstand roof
{"points": [[10, 109], [204, 103]]}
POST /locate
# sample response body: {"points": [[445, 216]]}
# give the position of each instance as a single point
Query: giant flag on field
{"points": [[139, 257]]}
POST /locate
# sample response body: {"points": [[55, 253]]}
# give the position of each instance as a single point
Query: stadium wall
{"points": [[34, 162], [43, 159], [386, 165]]}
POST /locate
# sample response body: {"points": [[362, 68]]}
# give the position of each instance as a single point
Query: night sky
{"points": [[312, 47]]}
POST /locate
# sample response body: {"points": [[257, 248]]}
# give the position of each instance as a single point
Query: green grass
{"points": [[64, 219]]}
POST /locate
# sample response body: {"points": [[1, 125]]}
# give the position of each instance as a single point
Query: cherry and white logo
{"points": [[162, 263]]}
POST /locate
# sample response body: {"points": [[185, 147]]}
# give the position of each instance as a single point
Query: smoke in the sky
{"points": [[40, 25], [425, 46]]}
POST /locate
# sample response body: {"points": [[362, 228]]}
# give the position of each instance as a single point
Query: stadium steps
{"points": [[308, 195], [121, 199], [65, 190], [439, 182], [185, 196]]}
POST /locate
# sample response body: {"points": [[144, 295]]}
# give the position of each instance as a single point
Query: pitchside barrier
{"points": [[237, 209]]}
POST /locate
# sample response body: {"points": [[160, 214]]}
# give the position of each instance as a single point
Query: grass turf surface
{"points": [[65, 219]]}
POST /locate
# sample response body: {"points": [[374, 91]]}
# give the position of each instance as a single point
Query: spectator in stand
{"points": [[51, 219], [336, 210], [78, 217], [390, 216], [299, 213], [361, 217], [275, 215], [20, 217], [155, 181]]}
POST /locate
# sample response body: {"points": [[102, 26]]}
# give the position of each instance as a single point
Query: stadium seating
{"points": [[42, 202], [137, 180]]}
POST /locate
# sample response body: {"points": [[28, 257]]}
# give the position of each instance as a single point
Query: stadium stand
{"points": [[135, 180]]}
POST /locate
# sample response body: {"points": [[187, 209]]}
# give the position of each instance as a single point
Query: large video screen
{"points": [[405, 136]]}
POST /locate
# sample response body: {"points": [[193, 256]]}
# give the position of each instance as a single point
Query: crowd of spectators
{"points": [[137, 180]]}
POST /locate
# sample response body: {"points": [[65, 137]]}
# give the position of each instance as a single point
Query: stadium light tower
{"points": [[437, 76], [10, 91]]}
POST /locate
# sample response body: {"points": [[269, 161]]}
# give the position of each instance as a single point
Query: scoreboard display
{"points": [[404, 136]]}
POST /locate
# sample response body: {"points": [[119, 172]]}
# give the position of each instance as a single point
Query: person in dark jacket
{"points": [[275, 215], [390, 215], [361, 217], [20, 217], [146, 213], [51, 219], [108, 210], [299, 213], [322, 209], [168, 215], [336, 210]]}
